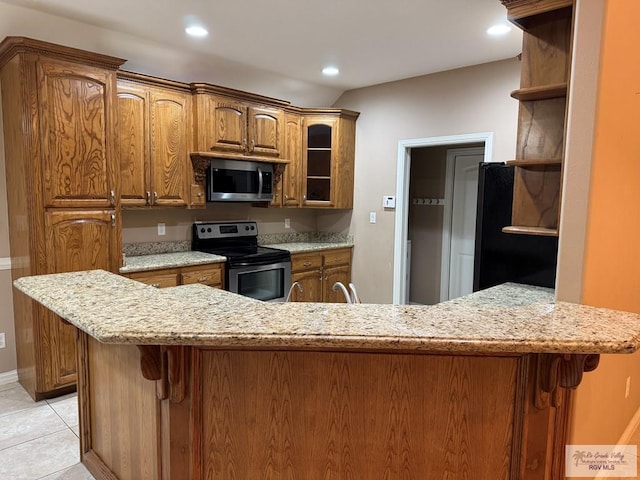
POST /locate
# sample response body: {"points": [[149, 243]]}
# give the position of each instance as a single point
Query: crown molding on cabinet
{"points": [[12, 46]]}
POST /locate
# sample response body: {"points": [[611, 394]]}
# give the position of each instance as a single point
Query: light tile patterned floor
{"points": [[39, 440]]}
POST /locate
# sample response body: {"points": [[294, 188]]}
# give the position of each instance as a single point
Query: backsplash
{"points": [[154, 248], [305, 237]]}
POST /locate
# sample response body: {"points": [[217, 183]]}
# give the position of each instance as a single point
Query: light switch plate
{"points": [[372, 217], [3, 344], [162, 229], [389, 201]]}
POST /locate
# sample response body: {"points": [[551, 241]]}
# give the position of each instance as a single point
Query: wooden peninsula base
{"points": [[181, 412]]}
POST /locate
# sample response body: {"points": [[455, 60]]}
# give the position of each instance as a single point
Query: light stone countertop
{"points": [[510, 318], [305, 247], [158, 261], [143, 263]]}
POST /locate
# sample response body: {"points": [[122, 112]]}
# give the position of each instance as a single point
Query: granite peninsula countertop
{"points": [[142, 263], [510, 318]]}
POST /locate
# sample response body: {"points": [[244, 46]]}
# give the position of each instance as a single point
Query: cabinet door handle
{"points": [[203, 279], [244, 144], [200, 194], [112, 197], [253, 145], [148, 198], [304, 198], [307, 264], [286, 197], [155, 197], [113, 219], [155, 285]]}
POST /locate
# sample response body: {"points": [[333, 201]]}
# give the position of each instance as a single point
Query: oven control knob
{"points": [[252, 227], [209, 229], [202, 230], [246, 227]]}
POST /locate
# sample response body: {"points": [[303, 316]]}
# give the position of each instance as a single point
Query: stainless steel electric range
{"points": [[258, 272]]}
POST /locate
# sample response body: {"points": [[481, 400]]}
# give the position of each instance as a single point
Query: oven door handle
{"points": [[258, 263]]}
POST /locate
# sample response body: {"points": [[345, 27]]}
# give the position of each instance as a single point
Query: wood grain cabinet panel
{"points": [[158, 278], [230, 125], [211, 275], [311, 283], [328, 161], [264, 130], [133, 143], [75, 240], [58, 105], [318, 272], [154, 144], [291, 186], [323, 415], [170, 113], [76, 131]]}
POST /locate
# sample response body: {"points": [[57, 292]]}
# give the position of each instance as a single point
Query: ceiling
{"points": [[371, 42]]}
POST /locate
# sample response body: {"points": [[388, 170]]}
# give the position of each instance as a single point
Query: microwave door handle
{"points": [[260, 181]]}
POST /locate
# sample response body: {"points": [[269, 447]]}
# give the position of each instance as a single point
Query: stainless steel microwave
{"points": [[239, 181]]}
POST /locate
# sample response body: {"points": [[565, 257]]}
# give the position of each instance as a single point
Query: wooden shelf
{"points": [[543, 92], [525, 13], [547, 232], [535, 162]]}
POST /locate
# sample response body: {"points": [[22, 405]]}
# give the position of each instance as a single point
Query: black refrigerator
{"points": [[505, 257]]}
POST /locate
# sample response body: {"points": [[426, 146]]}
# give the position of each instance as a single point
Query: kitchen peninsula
{"points": [[197, 383]]}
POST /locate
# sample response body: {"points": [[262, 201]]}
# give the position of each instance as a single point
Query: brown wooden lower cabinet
{"points": [[317, 272], [212, 275], [198, 413]]}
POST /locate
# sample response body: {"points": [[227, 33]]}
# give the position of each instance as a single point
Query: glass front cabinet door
{"points": [[319, 161]]}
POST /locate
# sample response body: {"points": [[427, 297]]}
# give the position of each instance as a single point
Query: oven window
{"points": [[262, 285]]}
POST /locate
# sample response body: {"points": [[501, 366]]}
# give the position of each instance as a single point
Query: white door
{"points": [[463, 222]]}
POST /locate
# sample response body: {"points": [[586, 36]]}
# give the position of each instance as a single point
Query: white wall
{"points": [[145, 56], [468, 100]]}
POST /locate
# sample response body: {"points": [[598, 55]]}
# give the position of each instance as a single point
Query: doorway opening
{"points": [[435, 216]]}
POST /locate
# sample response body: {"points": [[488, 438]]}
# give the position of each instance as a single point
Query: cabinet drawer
{"points": [[206, 276], [159, 280], [305, 262], [338, 257]]}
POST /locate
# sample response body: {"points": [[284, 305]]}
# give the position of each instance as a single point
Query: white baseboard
{"points": [[8, 377], [5, 263]]}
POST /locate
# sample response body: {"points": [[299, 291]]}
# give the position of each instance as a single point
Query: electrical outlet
{"points": [[2, 341], [628, 388], [287, 223], [372, 217], [162, 230]]}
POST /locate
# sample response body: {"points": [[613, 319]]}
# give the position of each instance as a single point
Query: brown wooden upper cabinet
{"points": [[234, 126], [288, 190], [75, 105], [328, 159], [154, 145]]}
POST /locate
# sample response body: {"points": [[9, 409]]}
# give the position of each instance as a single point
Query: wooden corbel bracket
{"points": [[168, 367], [560, 370]]}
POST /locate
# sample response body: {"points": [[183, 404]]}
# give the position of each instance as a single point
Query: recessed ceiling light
{"points": [[330, 71], [498, 29], [196, 31]]}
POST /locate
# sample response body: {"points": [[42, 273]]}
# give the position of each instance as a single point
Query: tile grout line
{"points": [[37, 438]]}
